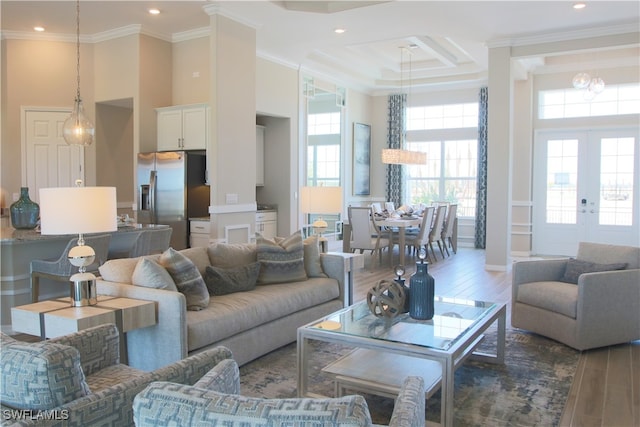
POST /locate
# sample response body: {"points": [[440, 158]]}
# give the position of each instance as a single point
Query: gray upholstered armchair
{"points": [[77, 380], [215, 400], [592, 301]]}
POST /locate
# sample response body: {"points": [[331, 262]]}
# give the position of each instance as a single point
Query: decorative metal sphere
{"points": [[386, 299]]}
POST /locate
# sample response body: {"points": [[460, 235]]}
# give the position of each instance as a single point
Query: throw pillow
{"points": [[312, 264], [229, 255], [150, 274], [187, 278], [576, 267], [223, 281], [40, 376], [281, 259]]}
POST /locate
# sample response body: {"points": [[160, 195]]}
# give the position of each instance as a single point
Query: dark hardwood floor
{"points": [[606, 388]]}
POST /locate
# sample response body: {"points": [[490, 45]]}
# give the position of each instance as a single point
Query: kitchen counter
{"points": [[19, 247]]}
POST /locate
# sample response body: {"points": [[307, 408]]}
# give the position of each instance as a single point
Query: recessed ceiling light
{"points": [[154, 11], [339, 30], [38, 28], [579, 5]]}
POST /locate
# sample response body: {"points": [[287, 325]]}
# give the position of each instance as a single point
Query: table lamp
{"points": [[81, 210], [321, 200]]}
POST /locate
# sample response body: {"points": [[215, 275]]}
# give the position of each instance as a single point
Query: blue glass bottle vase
{"points": [[422, 287], [24, 212]]}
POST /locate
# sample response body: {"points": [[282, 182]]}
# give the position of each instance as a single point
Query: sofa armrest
{"points": [[99, 347], [163, 343], [409, 407], [608, 303], [339, 266], [223, 378]]}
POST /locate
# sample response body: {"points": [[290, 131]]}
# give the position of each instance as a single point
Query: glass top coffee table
{"points": [[389, 349]]}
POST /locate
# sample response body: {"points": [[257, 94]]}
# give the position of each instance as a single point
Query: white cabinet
{"points": [[182, 127], [267, 224], [259, 155], [199, 233]]}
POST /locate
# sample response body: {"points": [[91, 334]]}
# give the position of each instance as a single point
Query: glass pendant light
{"points": [[581, 80], [596, 85], [78, 129]]}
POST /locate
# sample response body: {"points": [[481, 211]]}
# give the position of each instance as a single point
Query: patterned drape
{"points": [[396, 128], [481, 190]]}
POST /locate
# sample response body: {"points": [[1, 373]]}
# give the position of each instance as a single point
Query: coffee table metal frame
{"points": [[450, 358]]}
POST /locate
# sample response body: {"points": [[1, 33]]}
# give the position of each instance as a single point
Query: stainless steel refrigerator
{"points": [[172, 189]]}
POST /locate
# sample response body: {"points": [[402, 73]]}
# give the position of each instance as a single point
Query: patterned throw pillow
{"points": [[223, 281], [150, 274], [576, 267], [40, 375], [312, 264], [281, 259], [187, 278]]}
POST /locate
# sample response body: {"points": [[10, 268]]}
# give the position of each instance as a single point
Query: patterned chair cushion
{"points": [[312, 264], [281, 259], [576, 267], [40, 375], [187, 278], [163, 403]]}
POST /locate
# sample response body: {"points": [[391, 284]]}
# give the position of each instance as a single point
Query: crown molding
{"points": [[564, 36], [216, 9]]}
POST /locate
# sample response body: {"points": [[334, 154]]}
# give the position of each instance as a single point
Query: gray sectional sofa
{"points": [[250, 323]]}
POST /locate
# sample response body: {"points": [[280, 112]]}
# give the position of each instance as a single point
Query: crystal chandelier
{"points": [[591, 86], [78, 129]]}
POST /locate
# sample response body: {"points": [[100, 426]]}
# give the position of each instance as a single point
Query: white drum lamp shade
{"points": [[81, 210], [78, 210], [321, 200]]}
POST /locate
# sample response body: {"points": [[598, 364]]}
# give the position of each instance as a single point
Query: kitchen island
{"points": [[19, 247]]}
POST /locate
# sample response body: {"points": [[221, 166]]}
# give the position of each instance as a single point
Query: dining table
{"points": [[402, 223]]}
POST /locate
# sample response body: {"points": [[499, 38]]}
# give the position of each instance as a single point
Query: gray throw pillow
{"points": [[223, 281], [312, 264], [576, 267], [281, 260], [187, 278], [150, 274]]}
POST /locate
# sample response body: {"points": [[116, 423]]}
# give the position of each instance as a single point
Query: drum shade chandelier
{"points": [[401, 156], [78, 129]]}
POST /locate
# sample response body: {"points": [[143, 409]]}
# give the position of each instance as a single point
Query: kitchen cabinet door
{"points": [[182, 128]]}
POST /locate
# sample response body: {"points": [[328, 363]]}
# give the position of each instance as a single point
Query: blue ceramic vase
{"points": [[422, 288], [24, 212]]}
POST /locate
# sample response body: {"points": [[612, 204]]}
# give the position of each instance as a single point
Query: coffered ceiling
{"points": [[386, 44]]}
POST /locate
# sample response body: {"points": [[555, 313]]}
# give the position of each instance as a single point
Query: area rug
{"points": [[530, 389]]}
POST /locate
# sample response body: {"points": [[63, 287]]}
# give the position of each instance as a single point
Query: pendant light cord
{"points": [[78, 47]]}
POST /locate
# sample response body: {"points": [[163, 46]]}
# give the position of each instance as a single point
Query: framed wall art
{"points": [[361, 159]]}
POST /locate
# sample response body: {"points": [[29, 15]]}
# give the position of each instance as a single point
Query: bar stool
{"points": [[61, 269], [152, 242]]}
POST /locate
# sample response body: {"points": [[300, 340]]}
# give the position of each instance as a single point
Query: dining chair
{"points": [[449, 228], [365, 236], [61, 269], [421, 239], [436, 230], [389, 206]]}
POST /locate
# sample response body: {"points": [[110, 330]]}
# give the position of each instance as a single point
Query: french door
{"points": [[585, 188]]}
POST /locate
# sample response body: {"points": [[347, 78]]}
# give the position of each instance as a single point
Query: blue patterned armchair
{"points": [[77, 379], [215, 400]]}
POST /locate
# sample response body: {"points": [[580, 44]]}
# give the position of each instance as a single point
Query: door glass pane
{"points": [[562, 174], [616, 181]]}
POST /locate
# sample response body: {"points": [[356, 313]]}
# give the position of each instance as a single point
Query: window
{"points": [[567, 103], [448, 134], [323, 149]]}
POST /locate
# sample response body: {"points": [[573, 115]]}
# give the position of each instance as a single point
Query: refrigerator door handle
{"points": [[152, 195]]}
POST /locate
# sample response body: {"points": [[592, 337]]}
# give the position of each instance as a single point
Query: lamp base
{"points": [[83, 290]]}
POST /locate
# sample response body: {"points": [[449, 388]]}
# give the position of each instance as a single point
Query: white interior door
{"points": [[585, 189], [49, 161]]}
